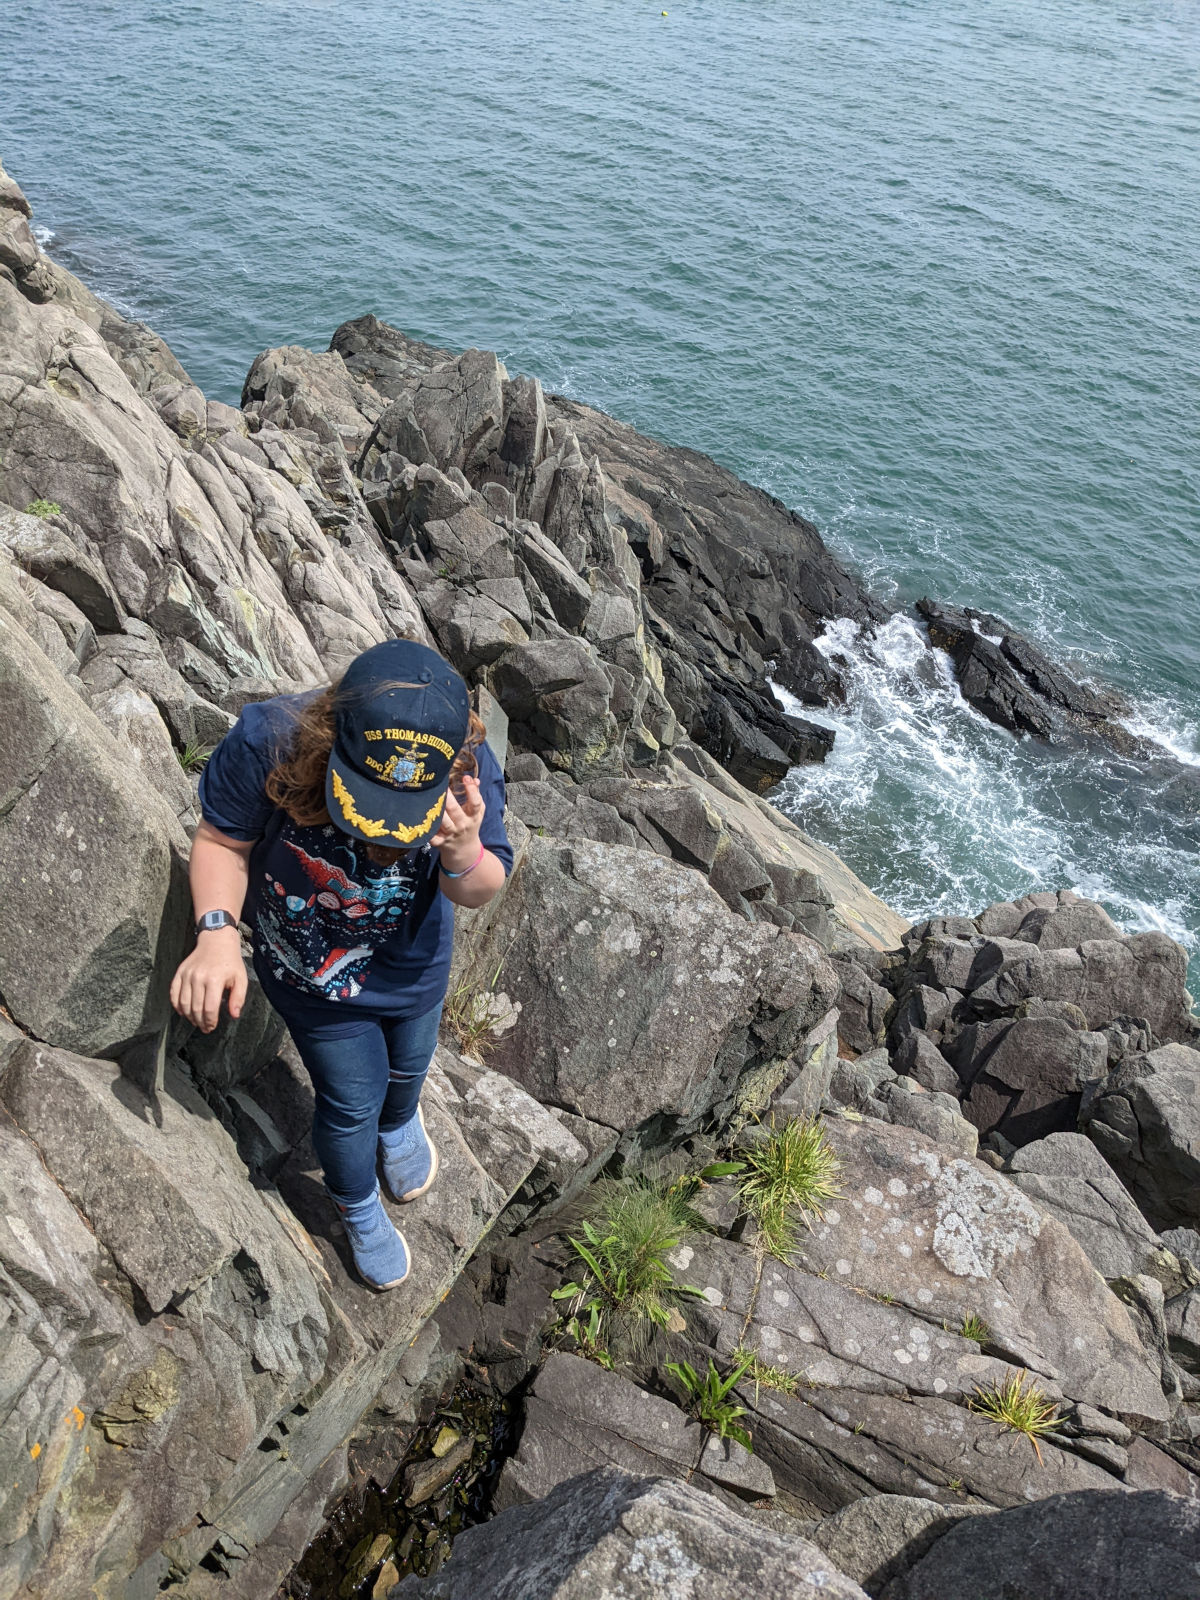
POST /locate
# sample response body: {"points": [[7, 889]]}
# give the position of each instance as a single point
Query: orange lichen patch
{"points": [[76, 1416], [35, 1450]]}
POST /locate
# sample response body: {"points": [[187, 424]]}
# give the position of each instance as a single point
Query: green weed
{"points": [[628, 1290], [43, 508], [789, 1177], [767, 1377], [976, 1328], [1018, 1406], [709, 1397], [470, 1014], [194, 756]]}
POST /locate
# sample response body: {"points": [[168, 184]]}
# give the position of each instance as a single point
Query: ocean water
{"points": [[926, 273]]}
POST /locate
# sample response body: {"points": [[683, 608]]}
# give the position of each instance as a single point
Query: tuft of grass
{"points": [[470, 1015], [628, 1291], [791, 1176], [709, 1396], [194, 756], [1017, 1405], [976, 1328], [764, 1376], [43, 508]]}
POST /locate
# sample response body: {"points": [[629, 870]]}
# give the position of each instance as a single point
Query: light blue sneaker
{"points": [[410, 1158], [379, 1249]]}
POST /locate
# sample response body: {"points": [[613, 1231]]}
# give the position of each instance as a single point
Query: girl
{"points": [[344, 826]]}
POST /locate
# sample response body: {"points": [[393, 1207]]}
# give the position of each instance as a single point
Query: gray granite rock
{"points": [[1067, 1176], [610, 1536], [877, 1538], [1097, 1545]]}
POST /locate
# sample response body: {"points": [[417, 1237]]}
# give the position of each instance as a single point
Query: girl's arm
{"points": [[458, 846], [220, 873]]}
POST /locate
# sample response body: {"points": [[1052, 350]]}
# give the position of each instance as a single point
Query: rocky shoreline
{"points": [[192, 1376]]}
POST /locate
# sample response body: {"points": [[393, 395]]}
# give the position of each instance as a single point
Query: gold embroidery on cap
{"points": [[379, 830], [410, 736]]}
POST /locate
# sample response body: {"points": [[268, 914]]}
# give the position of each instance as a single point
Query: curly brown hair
{"points": [[296, 783]]}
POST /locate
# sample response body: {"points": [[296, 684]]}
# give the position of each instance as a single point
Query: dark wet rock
{"points": [[1012, 682], [610, 1536], [1096, 1545]]}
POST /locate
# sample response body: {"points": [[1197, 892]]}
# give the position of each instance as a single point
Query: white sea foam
{"points": [[42, 236], [943, 812]]}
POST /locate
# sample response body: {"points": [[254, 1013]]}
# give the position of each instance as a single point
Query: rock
{"points": [[856, 1083], [48, 554], [1106, 977], [423, 1479], [822, 1331], [638, 995], [949, 1238], [935, 1115], [881, 1536], [578, 1416], [89, 852], [1027, 1079], [1146, 1123], [1011, 681], [134, 719], [863, 1004], [1067, 1176], [810, 1071], [610, 1536], [569, 595], [1094, 1545], [920, 1059], [557, 693], [730, 1464]]}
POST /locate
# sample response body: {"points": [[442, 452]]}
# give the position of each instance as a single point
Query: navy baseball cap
{"points": [[402, 715]]}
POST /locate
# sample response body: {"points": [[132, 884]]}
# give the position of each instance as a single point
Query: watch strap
{"points": [[215, 919]]}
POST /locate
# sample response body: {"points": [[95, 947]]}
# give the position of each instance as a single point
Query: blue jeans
{"points": [[367, 1075]]}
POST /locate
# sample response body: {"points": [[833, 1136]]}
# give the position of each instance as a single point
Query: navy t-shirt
{"points": [[331, 926]]}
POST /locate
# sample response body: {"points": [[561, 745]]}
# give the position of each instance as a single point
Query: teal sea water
{"points": [[927, 273]]}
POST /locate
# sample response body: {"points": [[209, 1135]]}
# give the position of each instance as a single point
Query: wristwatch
{"points": [[215, 919]]}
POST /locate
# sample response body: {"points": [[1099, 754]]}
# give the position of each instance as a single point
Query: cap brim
{"points": [[381, 814]]}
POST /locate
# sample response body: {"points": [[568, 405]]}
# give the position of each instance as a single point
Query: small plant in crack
{"points": [[975, 1328], [765, 1376], [470, 1014], [708, 1396], [43, 509], [628, 1290], [790, 1177], [194, 756], [1019, 1405]]}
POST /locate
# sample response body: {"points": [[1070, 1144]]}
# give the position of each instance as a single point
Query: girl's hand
{"points": [[457, 839], [214, 968]]}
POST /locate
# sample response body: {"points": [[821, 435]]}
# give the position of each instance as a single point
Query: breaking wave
{"points": [[942, 812]]}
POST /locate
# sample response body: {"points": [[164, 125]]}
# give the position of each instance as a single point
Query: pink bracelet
{"points": [[466, 870]]}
